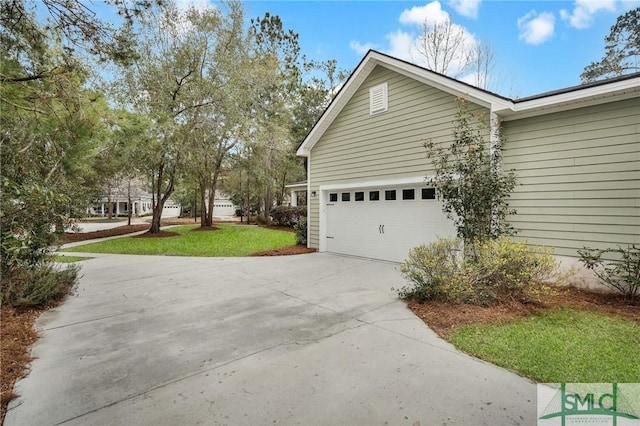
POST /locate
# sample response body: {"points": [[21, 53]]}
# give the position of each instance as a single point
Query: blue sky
{"points": [[539, 46]]}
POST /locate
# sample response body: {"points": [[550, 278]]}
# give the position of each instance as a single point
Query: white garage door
{"points": [[384, 223]]}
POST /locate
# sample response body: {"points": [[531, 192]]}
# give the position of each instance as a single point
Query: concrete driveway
{"points": [[312, 339]]}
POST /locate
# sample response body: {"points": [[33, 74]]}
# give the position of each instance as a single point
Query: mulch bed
{"points": [[73, 237], [286, 251], [442, 317], [18, 334], [161, 234]]}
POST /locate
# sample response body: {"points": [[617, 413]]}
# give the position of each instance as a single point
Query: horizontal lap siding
{"points": [[579, 176], [359, 147]]}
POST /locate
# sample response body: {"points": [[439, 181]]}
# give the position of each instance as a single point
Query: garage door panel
{"points": [[384, 229]]}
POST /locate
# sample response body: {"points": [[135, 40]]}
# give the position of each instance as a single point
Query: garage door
{"points": [[384, 223]]}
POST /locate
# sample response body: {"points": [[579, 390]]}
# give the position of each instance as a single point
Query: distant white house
{"points": [[141, 203], [222, 205]]}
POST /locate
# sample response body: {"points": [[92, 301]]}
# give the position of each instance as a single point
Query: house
{"points": [[119, 194], [297, 193], [576, 153]]}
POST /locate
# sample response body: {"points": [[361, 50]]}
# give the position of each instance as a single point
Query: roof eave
{"points": [[588, 96]]}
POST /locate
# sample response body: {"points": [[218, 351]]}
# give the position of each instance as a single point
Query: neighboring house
{"points": [[222, 205], [576, 153], [297, 193], [141, 202]]}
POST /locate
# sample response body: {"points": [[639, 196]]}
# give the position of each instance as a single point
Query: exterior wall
{"points": [[579, 176], [359, 147]]}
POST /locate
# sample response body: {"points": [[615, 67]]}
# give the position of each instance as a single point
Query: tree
{"points": [[51, 127], [482, 65], [622, 50], [468, 180], [444, 47], [160, 85]]}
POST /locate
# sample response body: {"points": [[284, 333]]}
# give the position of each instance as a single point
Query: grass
{"points": [[228, 241], [69, 259], [563, 345]]}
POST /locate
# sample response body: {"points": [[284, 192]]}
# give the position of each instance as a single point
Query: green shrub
{"points": [[38, 286], [432, 269], [621, 272], [288, 216], [263, 220], [301, 231], [503, 270]]}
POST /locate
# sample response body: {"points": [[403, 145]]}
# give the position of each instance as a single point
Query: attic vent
{"points": [[378, 99]]}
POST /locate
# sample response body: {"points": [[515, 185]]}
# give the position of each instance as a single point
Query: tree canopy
{"points": [[622, 50]]}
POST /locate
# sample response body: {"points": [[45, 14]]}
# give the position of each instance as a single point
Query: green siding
{"points": [[579, 176], [361, 147]]}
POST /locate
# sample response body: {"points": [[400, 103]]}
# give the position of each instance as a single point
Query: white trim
{"points": [[414, 180], [309, 201], [378, 99]]}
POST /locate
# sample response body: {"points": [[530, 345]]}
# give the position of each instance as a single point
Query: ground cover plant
{"points": [[559, 345], [223, 240], [567, 335]]}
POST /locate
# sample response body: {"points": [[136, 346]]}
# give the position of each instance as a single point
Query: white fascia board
{"points": [[413, 180], [345, 94], [448, 85], [575, 99]]}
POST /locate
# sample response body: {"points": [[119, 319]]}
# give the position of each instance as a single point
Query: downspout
{"points": [[309, 199], [494, 142]]}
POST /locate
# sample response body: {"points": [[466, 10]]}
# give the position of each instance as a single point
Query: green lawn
{"points": [[69, 259], [228, 241], [564, 345]]}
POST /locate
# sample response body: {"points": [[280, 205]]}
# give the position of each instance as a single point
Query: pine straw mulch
{"points": [[286, 251], [74, 237], [18, 334], [443, 317]]}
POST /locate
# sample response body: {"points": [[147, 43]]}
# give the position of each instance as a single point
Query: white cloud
{"points": [[536, 28], [403, 44], [400, 45], [468, 8], [584, 10], [430, 12], [361, 49]]}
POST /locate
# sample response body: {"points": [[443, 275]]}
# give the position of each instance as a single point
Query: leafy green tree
{"points": [[622, 50], [162, 85], [468, 180], [51, 127]]}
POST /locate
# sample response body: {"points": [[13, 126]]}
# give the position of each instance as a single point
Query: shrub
{"points": [[301, 231], [503, 270], [621, 272], [38, 286], [432, 269], [288, 216], [263, 220]]}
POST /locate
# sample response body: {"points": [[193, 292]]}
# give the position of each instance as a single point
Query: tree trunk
{"points": [[109, 214], [203, 203], [161, 198], [129, 202]]}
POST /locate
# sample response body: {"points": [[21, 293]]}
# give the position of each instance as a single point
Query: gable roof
{"points": [[508, 109]]}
